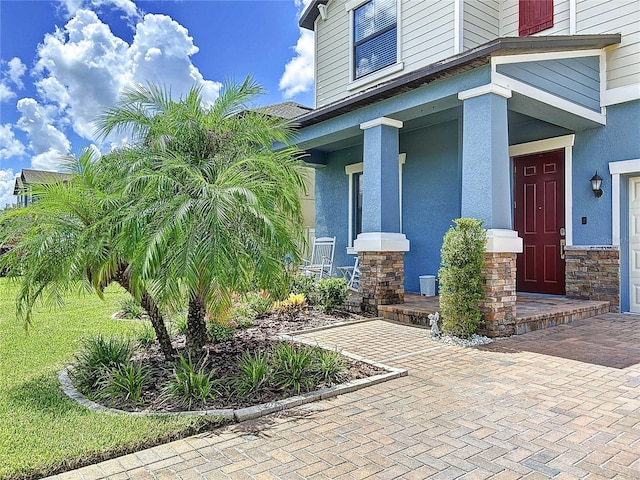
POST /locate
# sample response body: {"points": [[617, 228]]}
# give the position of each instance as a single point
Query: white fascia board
{"points": [[614, 96], [483, 90], [538, 57], [389, 122], [548, 98]]}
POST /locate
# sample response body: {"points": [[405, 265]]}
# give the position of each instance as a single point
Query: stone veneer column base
{"points": [[593, 273], [499, 306], [381, 279]]}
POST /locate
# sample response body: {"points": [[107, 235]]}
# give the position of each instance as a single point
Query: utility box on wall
{"points": [[428, 285]]}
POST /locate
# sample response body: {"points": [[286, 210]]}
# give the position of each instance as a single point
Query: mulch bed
{"points": [[222, 358]]}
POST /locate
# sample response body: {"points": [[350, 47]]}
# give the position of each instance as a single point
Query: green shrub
{"points": [[254, 373], [331, 293], [123, 383], [219, 332], [256, 302], [306, 286], [460, 276], [131, 309], [292, 367], [96, 357], [242, 316], [144, 335], [327, 365], [191, 383]]}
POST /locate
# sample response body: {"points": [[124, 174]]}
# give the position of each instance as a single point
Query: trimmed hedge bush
{"points": [[460, 276]]}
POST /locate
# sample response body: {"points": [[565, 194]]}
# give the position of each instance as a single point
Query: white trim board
{"points": [[623, 167], [537, 57], [564, 142], [613, 96], [458, 24]]}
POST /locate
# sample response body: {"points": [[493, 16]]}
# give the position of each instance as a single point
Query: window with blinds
{"points": [[374, 36]]}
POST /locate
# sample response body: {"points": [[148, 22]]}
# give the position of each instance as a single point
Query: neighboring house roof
{"points": [[456, 64], [37, 177], [287, 110]]}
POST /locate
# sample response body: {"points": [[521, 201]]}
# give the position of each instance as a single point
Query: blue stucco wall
{"points": [[431, 196], [593, 150]]}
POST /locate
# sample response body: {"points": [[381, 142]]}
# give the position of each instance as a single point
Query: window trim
{"points": [[350, 170], [354, 82]]}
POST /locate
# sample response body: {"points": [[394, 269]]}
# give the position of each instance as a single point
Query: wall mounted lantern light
{"points": [[596, 182]]}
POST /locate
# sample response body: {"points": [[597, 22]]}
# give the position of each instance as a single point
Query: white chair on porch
{"points": [[320, 264], [352, 274]]}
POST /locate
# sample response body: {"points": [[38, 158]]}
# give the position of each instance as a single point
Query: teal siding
{"points": [[574, 79]]}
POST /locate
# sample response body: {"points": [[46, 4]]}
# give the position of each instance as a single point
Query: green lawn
{"points": [[40, 428]]}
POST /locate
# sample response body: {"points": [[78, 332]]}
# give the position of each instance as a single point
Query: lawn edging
{"points": [[256, 411]]}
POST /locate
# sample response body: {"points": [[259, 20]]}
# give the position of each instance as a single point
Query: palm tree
{"points": [[218, 207], [68, 237]]}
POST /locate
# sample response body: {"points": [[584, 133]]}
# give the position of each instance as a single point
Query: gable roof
{"points": [[456, 64], [30, 176]]}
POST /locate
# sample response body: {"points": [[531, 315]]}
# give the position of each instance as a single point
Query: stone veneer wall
{"points": [[381, 279], [499, 307], [593, 273]]}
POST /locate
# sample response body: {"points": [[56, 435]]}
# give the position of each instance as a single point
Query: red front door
{"points": [[539, 220]]}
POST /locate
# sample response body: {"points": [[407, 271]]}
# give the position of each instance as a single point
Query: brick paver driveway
{"points": [[460, 413]]}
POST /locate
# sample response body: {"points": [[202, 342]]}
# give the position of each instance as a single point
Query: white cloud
{"points": [[11, 75], [16, 71], [84, 66], [298, 73], [7, 182], [45, 140], [127, 6], [162, 48], [5, 92], [10, 146]]}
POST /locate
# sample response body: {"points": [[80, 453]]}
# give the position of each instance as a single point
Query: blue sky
{"points": [[62, 61]]}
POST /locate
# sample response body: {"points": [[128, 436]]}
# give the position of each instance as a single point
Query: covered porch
{"points": [[532, 312]]}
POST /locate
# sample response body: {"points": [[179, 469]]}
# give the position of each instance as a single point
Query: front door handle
{"points": [[563, 243]]}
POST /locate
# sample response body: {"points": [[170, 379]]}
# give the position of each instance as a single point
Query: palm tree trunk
{"points": [[157, 319], [196, 326]]}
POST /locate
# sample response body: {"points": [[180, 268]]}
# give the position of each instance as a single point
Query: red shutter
{"points": [[535, 16]]}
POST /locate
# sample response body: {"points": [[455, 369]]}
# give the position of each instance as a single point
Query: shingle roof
{"points": [[286, 110], [29, 176]]}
